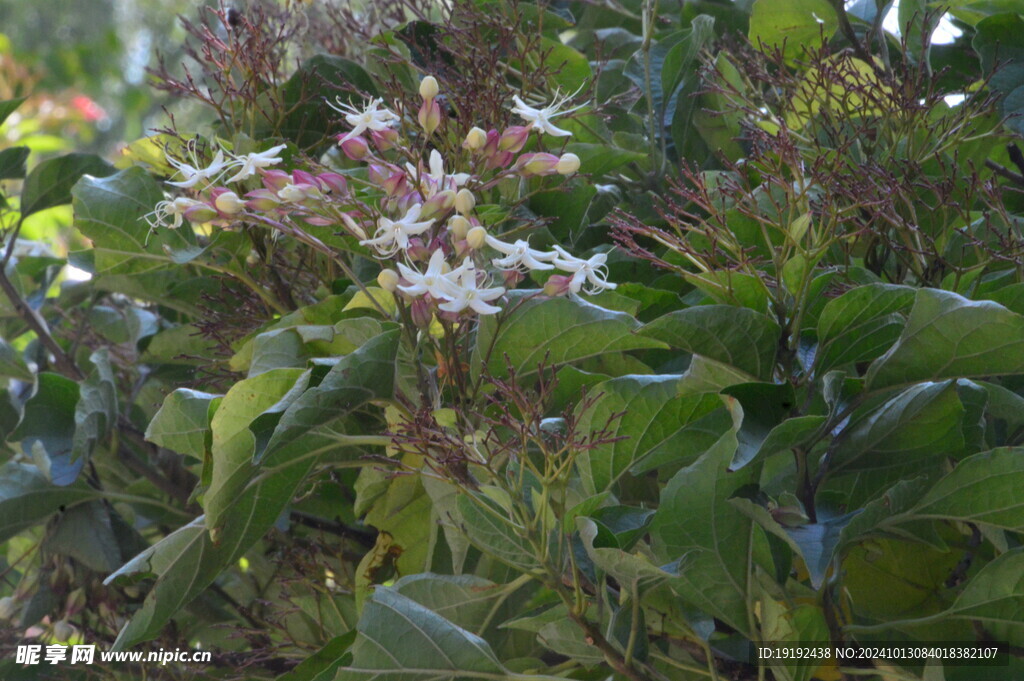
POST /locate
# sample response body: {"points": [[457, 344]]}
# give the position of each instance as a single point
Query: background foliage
{"points": [[799, 416]]}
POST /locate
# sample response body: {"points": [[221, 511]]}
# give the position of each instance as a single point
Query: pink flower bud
{"points": [[303, 177], [490, 147], [557, 285], [439, 203], [529, 165], [200, 212], [395, 184], [420, 311], [356, 148], [334, 183], [262, 200], [512, 278], [500, 159], [384, 139], [417, 251], [378, 173], [429, 116], [276, 180], [514, 138]]}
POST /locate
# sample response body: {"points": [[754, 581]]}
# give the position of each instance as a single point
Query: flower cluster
{"points": [[417, 216]]}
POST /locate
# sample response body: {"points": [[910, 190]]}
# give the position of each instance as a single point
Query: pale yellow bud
{"points": [[388, 280], [459, 227], [476, 238], [475, 139], [465, 201], [568, 164], [229, 203], [429, 88]]}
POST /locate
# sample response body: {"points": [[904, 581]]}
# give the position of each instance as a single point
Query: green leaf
{"points": [[182, 424], [861, 324], [739, 337], [715, 544], [430, 646], [85, 534], [654, 424], [27, 498], [49, 184], [797, 23], [464, 600], [492, 530], [324, 664], [12, 163], [109, 211], [47, 428], [9, 106], [949, 336], [994, 596], [12, 365], [558, 330], [96, 411], [919, 424]]}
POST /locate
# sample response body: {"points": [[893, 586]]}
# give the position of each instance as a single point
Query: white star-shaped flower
{"points": [[193, 174], [592, 270], [250, 163], [540, 119], [393, 235], [371, 117], [173, 209], [519, 256], [468, 294], [434, 179], [434, 281]]}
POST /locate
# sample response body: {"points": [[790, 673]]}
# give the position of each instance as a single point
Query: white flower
{"points": [[249, 163], [173, 209], [467, 294], [592, 270], [435, 179], [393, 235], [192, 173], [434, 281], [371, 117], [540, 119], [520, 256]]}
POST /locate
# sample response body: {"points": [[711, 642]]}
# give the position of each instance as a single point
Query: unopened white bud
{"points": [[459, 227], [429, 88], [229, 203], [568, 164], [477, 237], [388, 280], [475, 139], [465, 201]]}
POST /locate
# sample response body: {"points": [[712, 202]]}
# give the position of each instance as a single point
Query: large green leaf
{"points": [[948, 336], [920, 423], [737, 336], [96, 411], [558, 330], [182, 423], [109, 211], [49, 184], [797, 23], [464, 600], [400, 640], [995, 596], [715, 544], [983, 489], [46, 431], [654, 424], [861, 324], [28, 498]]}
